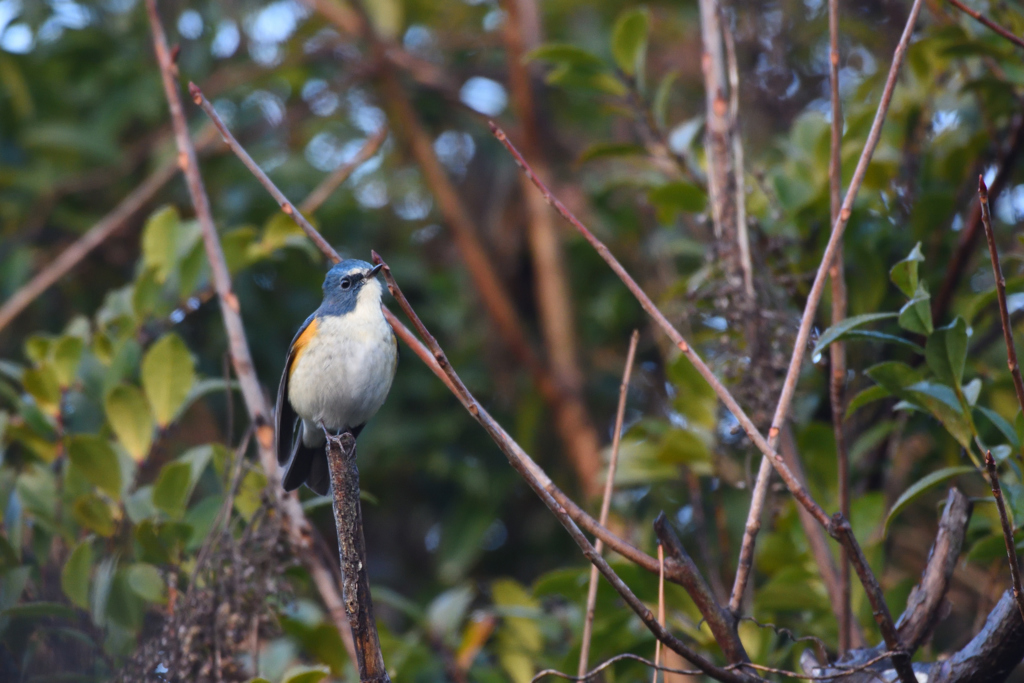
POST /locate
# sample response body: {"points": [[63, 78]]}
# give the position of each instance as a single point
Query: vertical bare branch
{"points": [[753, 525], [719, 159], [742, 236], [348, 520], [1004, 520], [837, 351], [661, 608], [1004, 314], [606, 500]]}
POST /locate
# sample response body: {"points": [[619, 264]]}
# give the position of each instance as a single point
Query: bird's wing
{"points": [[284, 413]]}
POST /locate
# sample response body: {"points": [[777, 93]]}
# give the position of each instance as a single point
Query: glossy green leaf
{"points": [[904, 274], [941, 401], [168, 373], [67, 352], [893, 375], [43, 385], [629, 40], [921, 486], [1002, 424], [870, 335], [869, 395], [129, 416], [843, 328], [75, 575], [946, 352], [916, 314], [96, 460]]}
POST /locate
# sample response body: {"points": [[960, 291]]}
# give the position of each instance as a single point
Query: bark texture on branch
{"points": [[348, 519]]}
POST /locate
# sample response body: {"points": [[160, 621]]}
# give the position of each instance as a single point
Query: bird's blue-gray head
{"points": [[349, 285]]}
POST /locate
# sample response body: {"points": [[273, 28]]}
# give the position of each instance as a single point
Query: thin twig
{"points": [[1004, 314], [837, 525], [609, 485], [1004, 520], [753, 524], [981, 18], [332, 182], [837, 351], [540, 483], [341, 461]]}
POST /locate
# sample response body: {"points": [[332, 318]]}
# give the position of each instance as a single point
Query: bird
{"points": [[337, 374]]}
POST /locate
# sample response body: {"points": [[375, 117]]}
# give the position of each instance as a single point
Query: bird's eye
{"points": [[346, 283]]}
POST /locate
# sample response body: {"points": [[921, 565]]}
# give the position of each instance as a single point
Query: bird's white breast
{"points": [[345, 372]]}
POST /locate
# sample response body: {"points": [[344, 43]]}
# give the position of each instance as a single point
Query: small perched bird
{"points": [[338, 372]]}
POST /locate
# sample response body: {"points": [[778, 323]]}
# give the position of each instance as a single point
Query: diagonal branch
{"points": [[753, 525], [538, 481], [837, 525], [1004, 314], [337, 177], [982, 19]]}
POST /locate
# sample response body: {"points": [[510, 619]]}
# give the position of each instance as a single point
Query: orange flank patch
{"points": [[301, 344]]}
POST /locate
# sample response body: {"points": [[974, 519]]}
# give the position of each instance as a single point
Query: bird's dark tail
{"points": [[308, 465]]}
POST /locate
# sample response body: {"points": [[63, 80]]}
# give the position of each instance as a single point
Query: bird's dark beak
{"points": [[373, 271]]}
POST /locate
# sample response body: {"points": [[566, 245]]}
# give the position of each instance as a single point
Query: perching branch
{"points": [[348, 520], [837, 525], [753, 525], [1004, 520], [540, 483], [1004, 314]]}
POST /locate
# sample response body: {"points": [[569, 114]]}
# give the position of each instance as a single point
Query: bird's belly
{"points": [[344, 375]]}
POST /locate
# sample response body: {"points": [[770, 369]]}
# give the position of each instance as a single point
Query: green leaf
{"points": [[93, 513], [916, 314], [67, 353], [96, 460], [844, 327], [904, 273], [305, 674], [941, 401], [172, 488], [609, 149], [564, 53], [250, 494], [629, 40], [893, 375], [871, 335], [921, 486], [660, 105], [946, 352], [168, 373], [44, 387], [671, 198], [129, 416], [869, 395], [159, 242], [1002, 425], [74, 577], [147, 583]]}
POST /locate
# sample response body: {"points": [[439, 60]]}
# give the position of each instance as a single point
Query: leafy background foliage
{"points": [[119, 423]]}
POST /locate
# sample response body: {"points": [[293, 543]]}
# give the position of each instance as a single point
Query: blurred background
{"points": [[473, 579]]}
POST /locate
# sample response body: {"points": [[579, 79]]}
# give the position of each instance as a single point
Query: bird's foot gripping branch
{"points": [[348, 518]]}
